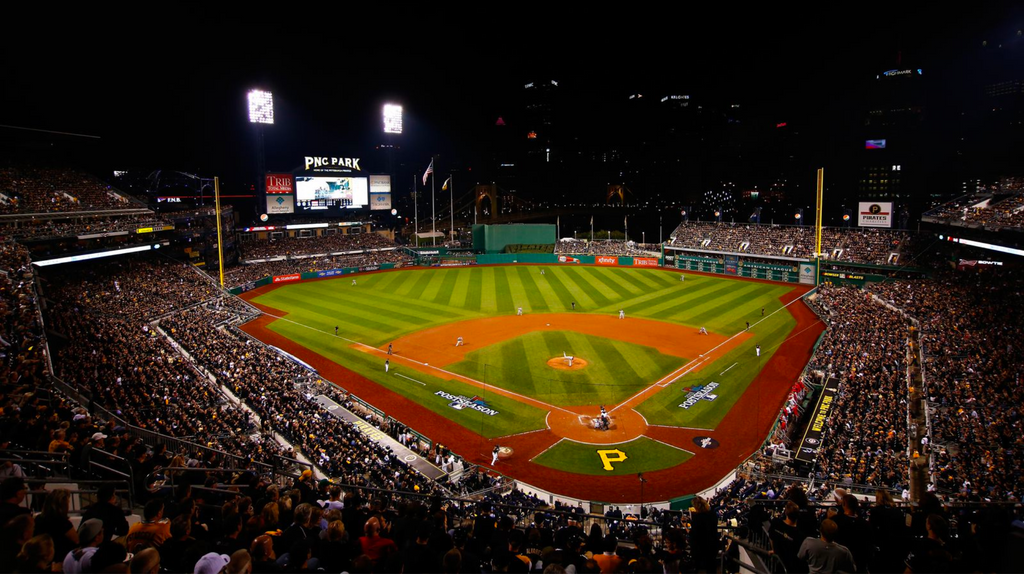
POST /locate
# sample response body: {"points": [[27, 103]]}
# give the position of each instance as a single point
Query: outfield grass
{"points": [[641, 455], [616, 370], [385, 306]]}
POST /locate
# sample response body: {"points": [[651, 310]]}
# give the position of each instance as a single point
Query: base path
{"points": [[737, 436], [437, 344]]}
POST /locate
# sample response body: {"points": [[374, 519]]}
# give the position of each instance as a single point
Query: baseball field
{"points": [[525, 356]]}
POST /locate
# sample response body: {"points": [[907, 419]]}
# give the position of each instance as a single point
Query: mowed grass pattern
{"points": [[615, 371], [641, 455], [385, 306]]}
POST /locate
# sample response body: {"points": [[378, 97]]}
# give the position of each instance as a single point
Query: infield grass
{"points": [[641, 455], [615, 370], [385, 306]]}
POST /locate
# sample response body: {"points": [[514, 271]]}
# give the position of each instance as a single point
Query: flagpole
{"points": [[558, 227], [451, 199], [433, 212], [625, 227], [591, 228]]}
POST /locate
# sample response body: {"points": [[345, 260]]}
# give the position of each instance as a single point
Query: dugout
{"points": [[513, 238]]}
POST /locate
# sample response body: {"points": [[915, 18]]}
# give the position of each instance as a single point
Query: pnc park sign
{"points": [[322, 162]]}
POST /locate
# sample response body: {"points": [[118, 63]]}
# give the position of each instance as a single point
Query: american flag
{"points": [[430, 170]]}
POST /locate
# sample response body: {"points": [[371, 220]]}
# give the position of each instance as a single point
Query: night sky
{"points": [[168, 90]]}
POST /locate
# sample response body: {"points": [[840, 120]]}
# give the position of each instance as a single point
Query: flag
{"points": [[430, 170], [446, 182]]}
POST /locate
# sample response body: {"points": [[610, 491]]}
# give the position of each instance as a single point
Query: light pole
{"points": [[261, 112]]}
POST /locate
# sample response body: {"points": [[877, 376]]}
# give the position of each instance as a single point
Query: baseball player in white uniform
{"points": [[568, 358], [622, 313], [458, 342], [519, 311]]}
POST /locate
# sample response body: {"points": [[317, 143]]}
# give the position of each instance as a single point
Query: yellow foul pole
{"points": [[220, 241], [817, 222]]}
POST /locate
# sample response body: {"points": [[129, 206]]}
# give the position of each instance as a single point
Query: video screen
{"points": [[331, 192]]}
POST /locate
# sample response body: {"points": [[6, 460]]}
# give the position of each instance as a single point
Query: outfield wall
{"points": [[494, 238]]}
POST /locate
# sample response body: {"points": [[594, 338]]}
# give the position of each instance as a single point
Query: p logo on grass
{"points": [[607, 457]]}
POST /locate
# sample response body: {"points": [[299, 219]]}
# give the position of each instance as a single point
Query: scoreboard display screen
{"points": [[331, 192]]}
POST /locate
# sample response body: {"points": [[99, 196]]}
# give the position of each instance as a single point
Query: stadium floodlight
{"points": [[392, 119], [261, 107]]}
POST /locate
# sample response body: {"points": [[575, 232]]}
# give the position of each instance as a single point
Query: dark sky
{"points": [[168, 89]]}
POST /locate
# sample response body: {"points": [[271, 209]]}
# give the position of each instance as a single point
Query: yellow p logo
{"points": [[610, 456]]}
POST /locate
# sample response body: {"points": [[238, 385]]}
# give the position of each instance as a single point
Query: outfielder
{"points": [[387, 365], [353, 282]]}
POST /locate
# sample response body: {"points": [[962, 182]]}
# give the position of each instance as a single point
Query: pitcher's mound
{"points": [[562, 364]]}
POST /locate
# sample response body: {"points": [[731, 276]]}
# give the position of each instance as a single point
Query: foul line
{"points": [[547, 449], [727, 370], [410, 378], [691, 453], [520, 433], [526, 400], [673, 377], [685, 428]]}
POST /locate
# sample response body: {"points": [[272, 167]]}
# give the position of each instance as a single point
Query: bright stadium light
{"points": [[392, 119], [261, 107]]}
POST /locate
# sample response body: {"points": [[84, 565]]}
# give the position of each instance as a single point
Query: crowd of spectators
{"points": [[612, 247], [986, 208], [39, 228], [32, 189], [972, 325], [315, 245], [870, 246], [250, 272], [21, 332], [865, 441]]}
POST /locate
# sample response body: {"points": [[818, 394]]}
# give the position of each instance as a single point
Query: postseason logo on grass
{"points": [[698, 393], [459, 402]]}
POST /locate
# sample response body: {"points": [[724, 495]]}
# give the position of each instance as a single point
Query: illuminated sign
{"points": [[667, 98], [983, 245], [333, 162], [89, 256], [307, 226], [874, 214], [280, 204], [907, 72], [280, 183], [780, 125], [874, 144], [380, 184]]}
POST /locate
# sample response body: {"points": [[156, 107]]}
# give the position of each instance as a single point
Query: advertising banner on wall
{"points": [[645, 262], [874, 214], [281, 183], [280, 203], [819, 419], [380, 184], [380, 201], [606, 260]]}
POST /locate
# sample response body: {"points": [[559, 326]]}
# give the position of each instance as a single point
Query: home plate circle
{"points": [[409, 458], [504, 452]]}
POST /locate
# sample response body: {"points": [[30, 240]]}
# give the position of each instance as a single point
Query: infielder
{"points": [[387, 365], [458, 342], [703, 331], [389, 348], [568, 357], [622, 314], [519, 311]]}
